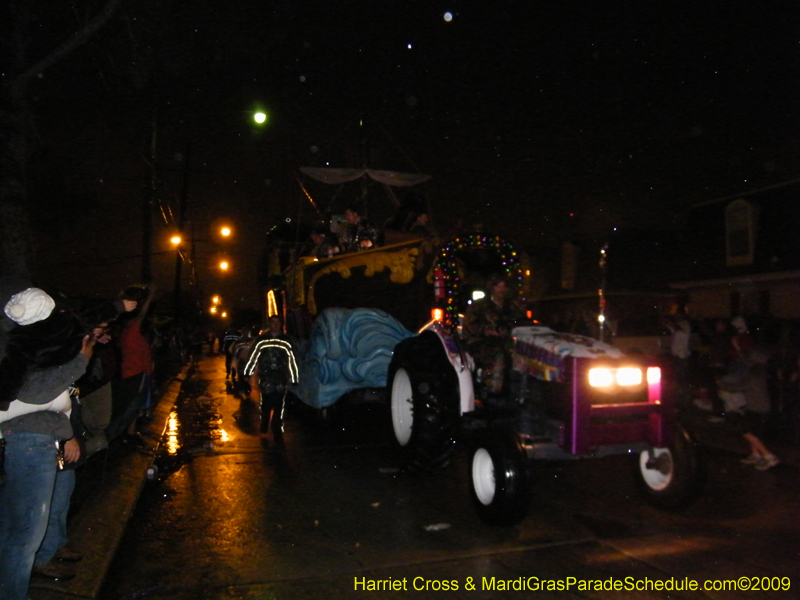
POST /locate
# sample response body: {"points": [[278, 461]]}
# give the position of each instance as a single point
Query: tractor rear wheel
{"points": [[425, 402]]}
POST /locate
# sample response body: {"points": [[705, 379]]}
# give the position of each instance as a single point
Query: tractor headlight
{"points": [[601, 377], [629, 376], [606, 377]]}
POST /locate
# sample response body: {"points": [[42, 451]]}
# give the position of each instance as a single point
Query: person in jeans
{"points": [[44, 348], [54, 552], [31, 438]]}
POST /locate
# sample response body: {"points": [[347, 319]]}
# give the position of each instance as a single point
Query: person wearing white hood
{"points": [[30, 437], [44, 349]]}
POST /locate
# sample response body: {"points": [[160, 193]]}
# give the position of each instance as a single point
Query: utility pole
{"points": [[147, 205], [195, 286], [601, 292], [181, 223]]}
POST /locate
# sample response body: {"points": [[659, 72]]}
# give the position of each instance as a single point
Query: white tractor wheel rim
{"points": [[655, 479], [402, 407], [483, 476]]}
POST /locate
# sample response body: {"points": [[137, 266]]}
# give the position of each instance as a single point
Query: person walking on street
{"points": [[229, 340], [271, 369], [747, 379], [241, 353]]}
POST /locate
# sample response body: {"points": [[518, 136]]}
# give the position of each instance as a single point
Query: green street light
{"points": [[260, 117]]}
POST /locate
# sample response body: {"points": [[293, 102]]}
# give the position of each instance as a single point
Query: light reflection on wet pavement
{"points": [[237, 519]]}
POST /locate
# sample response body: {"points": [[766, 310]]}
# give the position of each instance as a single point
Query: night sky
{"points": [[543, 121]]}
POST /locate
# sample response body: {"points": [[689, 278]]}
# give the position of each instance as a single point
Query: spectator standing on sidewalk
{"points": [[95, 389], [54, 553], [272, 368], [132, 394], [34, 409], [45, 349]]}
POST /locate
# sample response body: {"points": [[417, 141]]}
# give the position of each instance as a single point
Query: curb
{"points": [[98, 527]]}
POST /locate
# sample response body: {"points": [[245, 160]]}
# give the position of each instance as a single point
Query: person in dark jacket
{"points": [[360, 233], [272, 368], [45, 347], [95, 389], [325, 245], [229, 340]]}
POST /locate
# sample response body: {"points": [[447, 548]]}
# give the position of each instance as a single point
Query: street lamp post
{"points": [[181, 223], [180, 257], [176, 240], [260, 117]]}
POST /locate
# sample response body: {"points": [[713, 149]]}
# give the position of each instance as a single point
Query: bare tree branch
{"points": [[79, 38]]}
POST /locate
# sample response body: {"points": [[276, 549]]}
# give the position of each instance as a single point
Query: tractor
{"points": [[390, 319]]}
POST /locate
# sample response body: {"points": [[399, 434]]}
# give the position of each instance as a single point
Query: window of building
{"points": [[741, 221]]}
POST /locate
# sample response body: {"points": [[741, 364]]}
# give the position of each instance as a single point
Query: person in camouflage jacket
{"points": [[487, 333]]}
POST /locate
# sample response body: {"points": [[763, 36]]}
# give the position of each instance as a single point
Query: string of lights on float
{"points": [[448, 264]]}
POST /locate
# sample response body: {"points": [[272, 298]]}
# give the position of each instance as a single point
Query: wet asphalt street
{"points": [[333, 517]]}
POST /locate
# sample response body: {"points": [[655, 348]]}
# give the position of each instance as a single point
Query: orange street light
{"points": [[223, 265], [175, 239], [225, 231]]}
